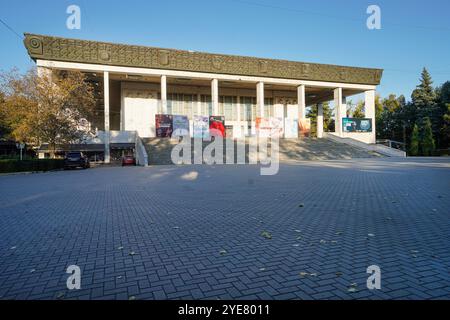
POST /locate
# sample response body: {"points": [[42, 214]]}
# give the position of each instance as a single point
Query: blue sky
{"points": [[414, 34]]}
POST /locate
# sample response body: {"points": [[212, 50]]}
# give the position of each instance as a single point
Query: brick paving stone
{"points": [[177, 227]]}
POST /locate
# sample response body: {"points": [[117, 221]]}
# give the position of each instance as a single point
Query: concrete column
{"points": [[301, 99], [260, 98], [199, 104], [106, 102], [215, 96], [370, 112], [320, 120], [340, 110], [164, 94]]}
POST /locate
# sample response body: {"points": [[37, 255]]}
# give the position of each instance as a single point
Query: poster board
{"points": [[180, 126], [200, 127], [163, 125], [217, 126], [269, 127], [304, 127], [290, 128]]}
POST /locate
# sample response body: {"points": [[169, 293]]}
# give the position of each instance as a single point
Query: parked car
{"points": [[75, 160], [128, 161]]}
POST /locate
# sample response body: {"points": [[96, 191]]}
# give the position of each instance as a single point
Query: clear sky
{"points": [[414, 34]]}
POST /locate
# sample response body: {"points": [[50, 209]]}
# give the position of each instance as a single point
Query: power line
{"points": [[341, 18], [11, 29]]}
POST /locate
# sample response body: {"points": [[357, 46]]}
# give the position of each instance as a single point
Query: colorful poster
{"points": [[269, 127], [164, 125], [357, 125], [217, 126], [304, 127], [290, 128], [180, 126], [200, 127]]}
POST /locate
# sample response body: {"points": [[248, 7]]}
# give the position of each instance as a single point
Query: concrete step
{"points": [[159, 150]]}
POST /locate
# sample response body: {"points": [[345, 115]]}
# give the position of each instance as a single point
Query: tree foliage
{"points": [[414, 146], [48, 108], [428, 110], [328, 121], [427, 144]]}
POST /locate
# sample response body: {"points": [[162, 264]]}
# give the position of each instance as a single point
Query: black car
{"points": [[75, 160]]}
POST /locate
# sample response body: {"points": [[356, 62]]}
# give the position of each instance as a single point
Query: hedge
{"points": [[12, 165]]}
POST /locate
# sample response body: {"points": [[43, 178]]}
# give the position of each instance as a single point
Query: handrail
{"points": [[141, 152]]}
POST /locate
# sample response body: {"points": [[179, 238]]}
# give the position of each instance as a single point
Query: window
{"points": [[248, 108], [206, 105], [268, 107], [181, 104], [228, 107]]}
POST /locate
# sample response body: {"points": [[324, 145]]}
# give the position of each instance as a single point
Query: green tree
{"points": [[443, 135], [427, 145], [358, 111], [414, 145], [424, 99], [328, 122]]}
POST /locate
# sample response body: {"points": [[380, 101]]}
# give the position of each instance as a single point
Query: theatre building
{"points": [[140, 83]]}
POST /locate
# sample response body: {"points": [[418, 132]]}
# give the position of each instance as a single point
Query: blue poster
{"points": [[201, 127]]}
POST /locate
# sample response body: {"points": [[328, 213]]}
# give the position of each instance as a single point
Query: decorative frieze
{"points": [[83, 51]]}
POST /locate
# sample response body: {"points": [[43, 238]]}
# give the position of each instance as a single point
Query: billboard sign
{"points": [[356, 125]]}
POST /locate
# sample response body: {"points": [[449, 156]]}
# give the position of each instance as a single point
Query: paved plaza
{"points": [[226, 232]]}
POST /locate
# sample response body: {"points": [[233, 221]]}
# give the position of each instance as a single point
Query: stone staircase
{"points": [[291, 150]]}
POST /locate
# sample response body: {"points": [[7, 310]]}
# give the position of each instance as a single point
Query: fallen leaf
{"points": [[303, 274], [266, 235], [60, 295]]}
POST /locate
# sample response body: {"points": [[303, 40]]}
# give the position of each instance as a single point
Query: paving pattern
{"points": [[196, 232]]}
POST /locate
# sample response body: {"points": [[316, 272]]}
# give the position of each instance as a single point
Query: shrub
{"points": [[35, 165]]}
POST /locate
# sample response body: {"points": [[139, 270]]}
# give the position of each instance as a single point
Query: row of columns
{"points": [[339, 102]]}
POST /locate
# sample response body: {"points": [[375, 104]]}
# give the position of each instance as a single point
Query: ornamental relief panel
{"points": [[61, 49]]}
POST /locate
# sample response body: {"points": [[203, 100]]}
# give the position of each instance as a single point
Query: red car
{"points": [[128, 161]]}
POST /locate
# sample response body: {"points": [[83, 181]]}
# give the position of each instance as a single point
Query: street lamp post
{"points": [[20, 146]]}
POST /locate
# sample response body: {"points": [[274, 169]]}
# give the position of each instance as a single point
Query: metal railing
{"points": [[392, 144]]}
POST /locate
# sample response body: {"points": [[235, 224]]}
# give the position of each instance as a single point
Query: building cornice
{"points": [[83, 51]]}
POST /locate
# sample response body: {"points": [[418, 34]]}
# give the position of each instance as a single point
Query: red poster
{"points": [[217, 126]]}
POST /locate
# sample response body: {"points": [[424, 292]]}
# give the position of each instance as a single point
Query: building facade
{"points": [[139, 83]]}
